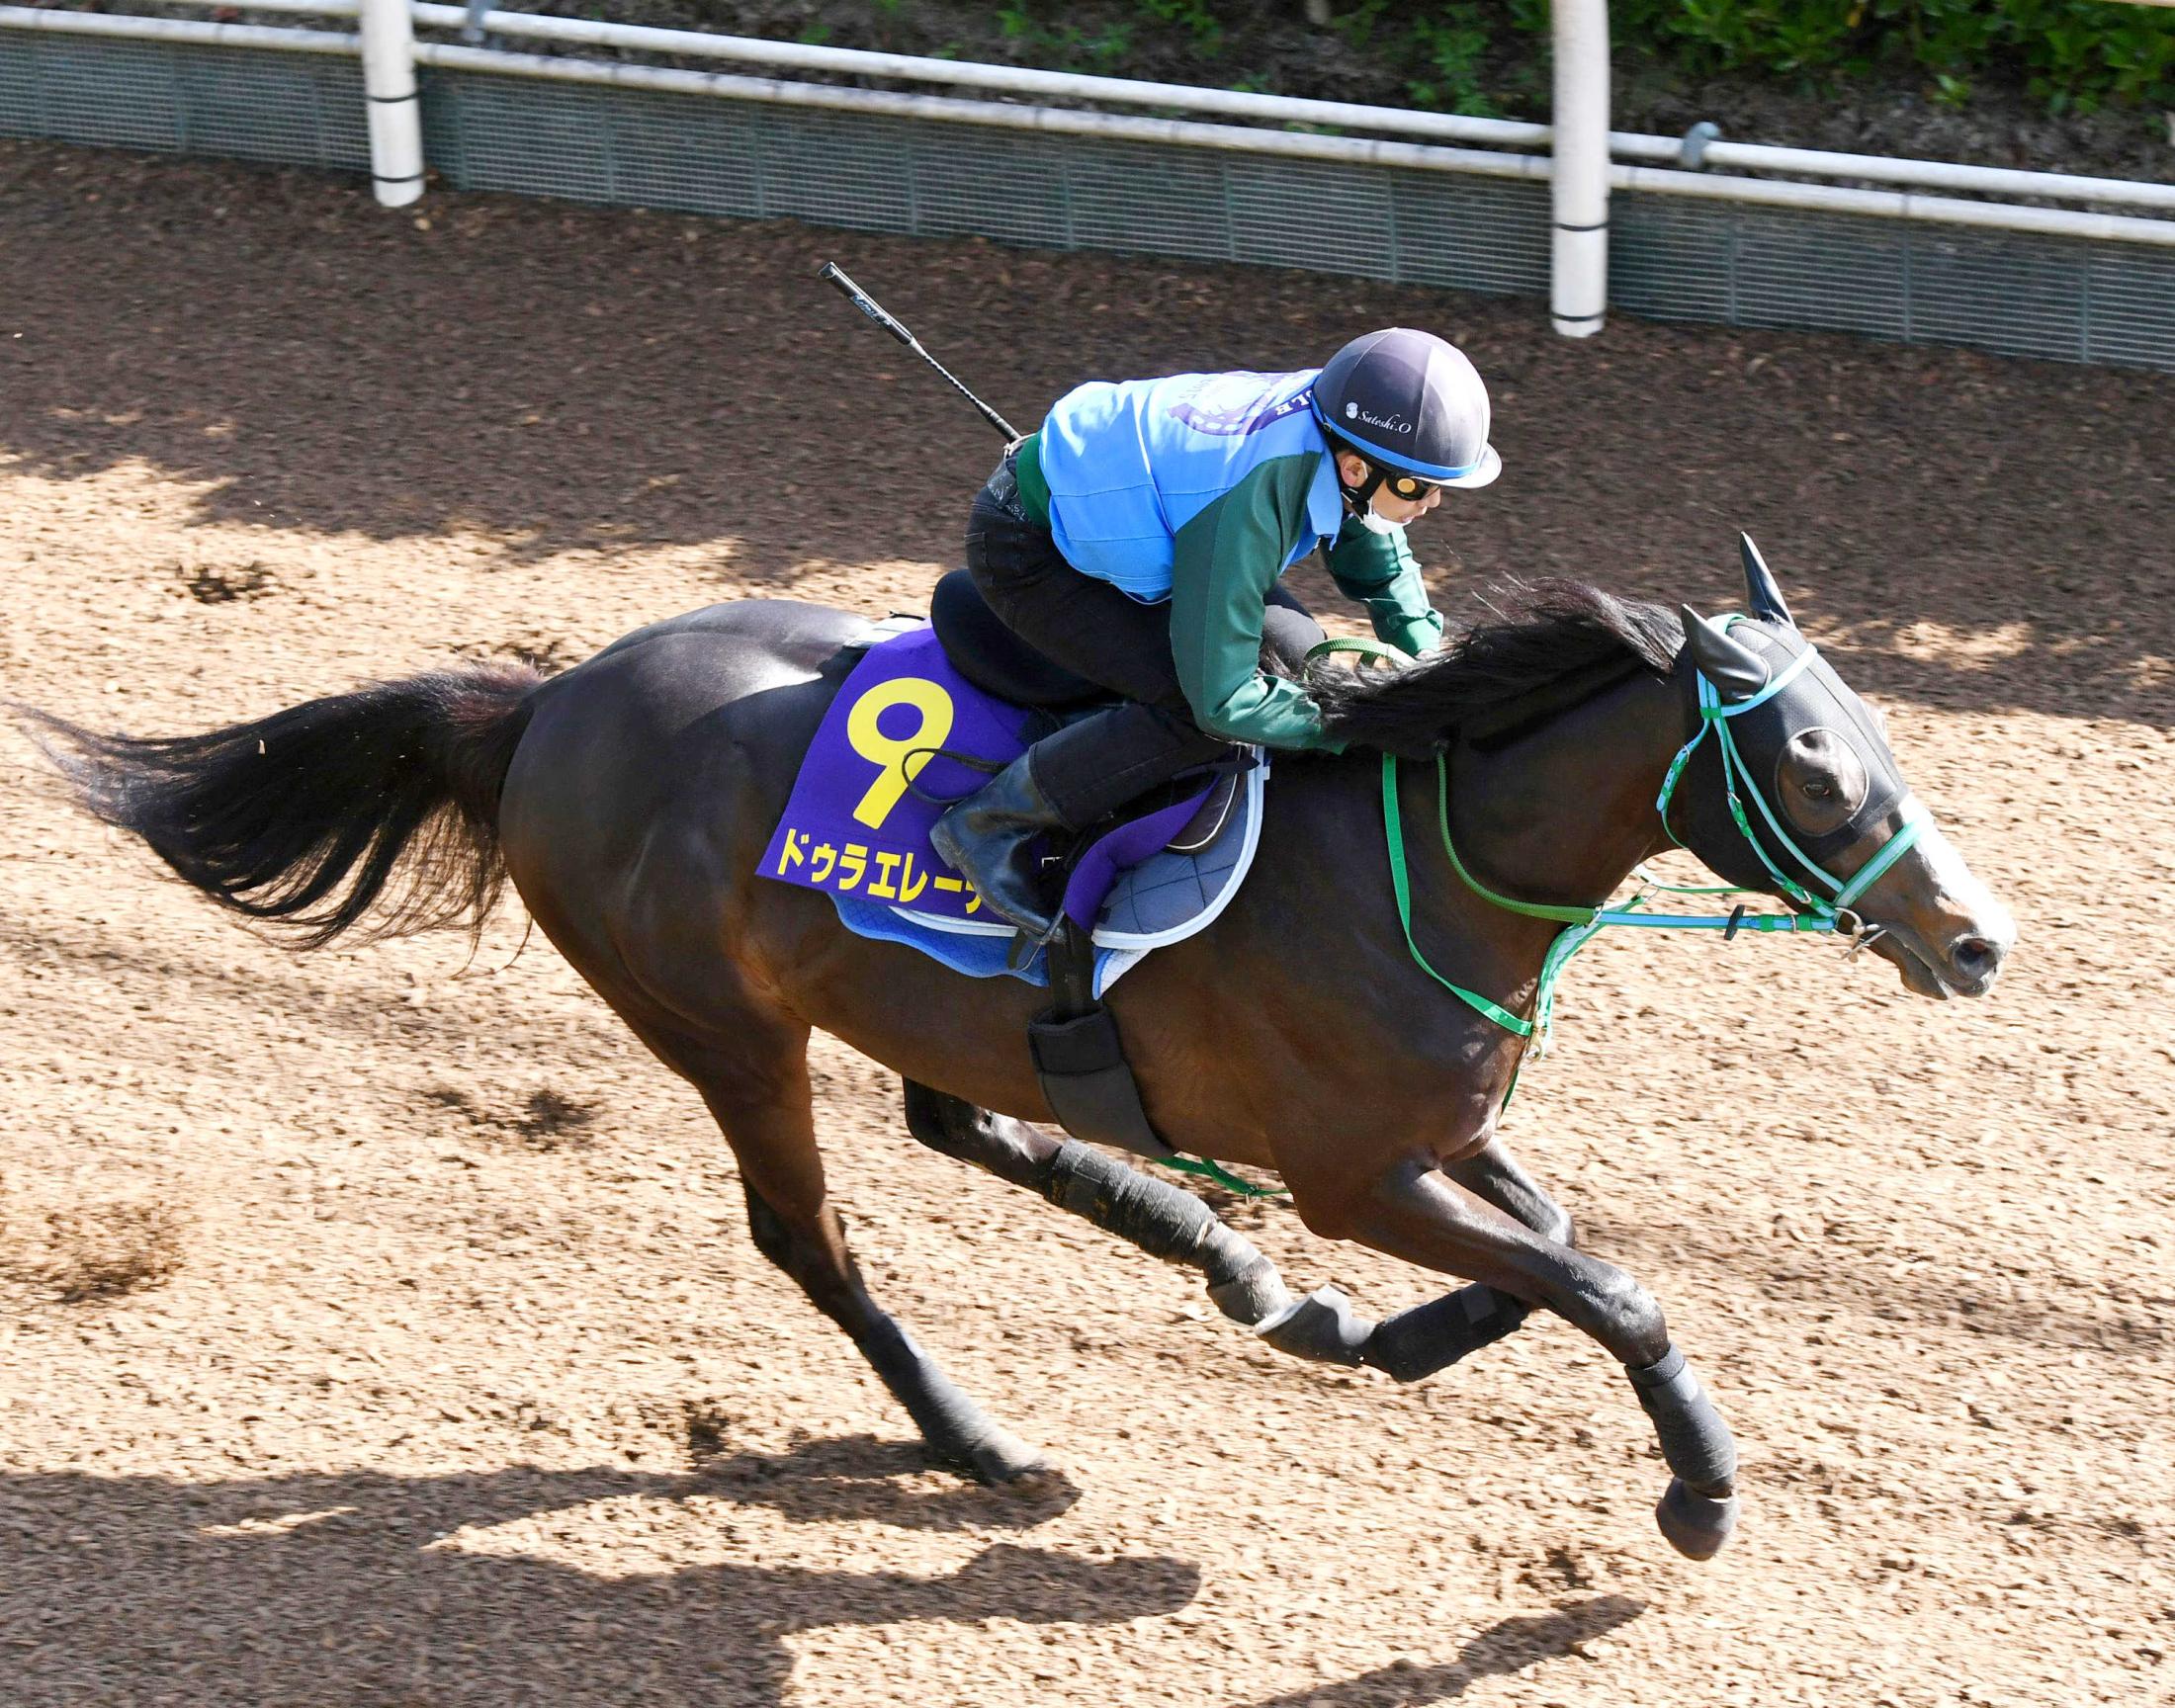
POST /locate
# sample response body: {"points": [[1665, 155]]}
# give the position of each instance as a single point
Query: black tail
{"points": [[305, 817]]}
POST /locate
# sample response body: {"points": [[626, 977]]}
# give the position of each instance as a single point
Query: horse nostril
{"points": [[1975, 957]]}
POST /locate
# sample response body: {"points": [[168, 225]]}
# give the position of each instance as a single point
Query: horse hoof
{"points": [[1697, 1525], [997, 1459]]}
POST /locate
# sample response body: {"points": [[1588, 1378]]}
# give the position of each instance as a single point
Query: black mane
{"points": [[1543, 633]]}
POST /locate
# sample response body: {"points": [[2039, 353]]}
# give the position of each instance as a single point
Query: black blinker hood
{"points": [[1814, 698]]}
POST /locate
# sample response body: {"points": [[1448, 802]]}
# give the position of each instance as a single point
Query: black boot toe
{"points": [[992, 839]]}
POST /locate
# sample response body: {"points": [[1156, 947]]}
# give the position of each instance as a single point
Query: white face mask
{"points": [[1375, 523]]}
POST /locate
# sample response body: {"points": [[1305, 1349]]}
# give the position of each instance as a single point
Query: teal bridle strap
{"points": [[1916, 820], [1714, 717], [1580, 923], [1393, 833], [1782, 679]]}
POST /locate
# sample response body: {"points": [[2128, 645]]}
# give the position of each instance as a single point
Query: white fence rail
{"points": [[1255, 137], [1494, 162], [1285, 109], [1266, 109]]}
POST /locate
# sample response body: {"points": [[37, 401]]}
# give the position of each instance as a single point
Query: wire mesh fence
{"points": [[280, 109], [2065, 298]]}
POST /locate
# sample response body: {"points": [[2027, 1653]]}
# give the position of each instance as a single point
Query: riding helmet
{"points": [[1411, 401]]}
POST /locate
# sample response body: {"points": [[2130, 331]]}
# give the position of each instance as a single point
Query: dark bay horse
{"points": [[630, 800]]}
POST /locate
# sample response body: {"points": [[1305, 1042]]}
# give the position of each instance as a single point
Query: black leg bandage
{"points": [[1698, 1512], [1164, 1222], [1415, 1343], [1693, 1439]]}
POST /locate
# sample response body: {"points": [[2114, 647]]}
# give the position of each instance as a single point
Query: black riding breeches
{"points": [[1093, 767]]}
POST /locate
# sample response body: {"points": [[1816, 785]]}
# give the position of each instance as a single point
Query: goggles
{"points": [[1408, 487]]}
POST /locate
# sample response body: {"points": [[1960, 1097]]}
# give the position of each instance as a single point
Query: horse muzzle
{"points": [[1968, 967], [1937, 925]]}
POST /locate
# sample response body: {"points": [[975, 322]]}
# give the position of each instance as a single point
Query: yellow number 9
{"points": [[936, 708]]}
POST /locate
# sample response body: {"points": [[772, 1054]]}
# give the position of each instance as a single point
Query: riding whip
{"points": [[868, 306]]}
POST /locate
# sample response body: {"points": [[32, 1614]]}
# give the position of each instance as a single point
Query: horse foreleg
{"points": [[1417, 1343], [1491, 1173], [1161, 1219], [1418, 1212]]}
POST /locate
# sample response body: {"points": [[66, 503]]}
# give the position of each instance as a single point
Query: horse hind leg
{"points": [[767, 1116], [1173, 1224], [1153, 1215]]}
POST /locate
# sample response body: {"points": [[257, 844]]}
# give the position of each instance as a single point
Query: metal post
{"points": [[396, 114], [1578, 291]]}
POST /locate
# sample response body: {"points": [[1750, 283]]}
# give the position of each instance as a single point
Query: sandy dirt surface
{"points": [[380, 1328]]}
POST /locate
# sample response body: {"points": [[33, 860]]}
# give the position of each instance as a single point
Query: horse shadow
{"points": [[860, 1479], [351, 1587], [1507, 1646]]}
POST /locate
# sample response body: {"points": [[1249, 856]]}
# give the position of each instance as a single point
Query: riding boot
{"points": [[1065, 782], [991, 838]]}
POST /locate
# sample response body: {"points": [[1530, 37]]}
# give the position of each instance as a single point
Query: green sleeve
{"points": [[1381, 573], [1225, 561]]}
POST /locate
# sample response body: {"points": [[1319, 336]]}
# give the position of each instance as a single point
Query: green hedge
{"points": [[1469, 55], [2066, 52]]}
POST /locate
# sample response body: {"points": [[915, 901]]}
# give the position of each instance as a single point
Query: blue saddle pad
{"points": [[854, 829]]}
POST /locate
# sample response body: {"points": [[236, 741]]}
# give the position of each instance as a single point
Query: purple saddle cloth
{"points": [[854, 829]]}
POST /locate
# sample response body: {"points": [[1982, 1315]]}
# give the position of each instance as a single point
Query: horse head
{"points": [[1789, 786]]}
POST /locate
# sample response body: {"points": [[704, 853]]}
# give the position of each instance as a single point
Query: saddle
{"points": [[922, 713], [1078, 1055], [986, 651]]}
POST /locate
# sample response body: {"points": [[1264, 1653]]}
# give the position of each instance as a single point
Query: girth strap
{"points": [[1080, 1057]]}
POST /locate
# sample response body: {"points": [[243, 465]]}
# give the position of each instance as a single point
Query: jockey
{"points": [[1138, 540]]}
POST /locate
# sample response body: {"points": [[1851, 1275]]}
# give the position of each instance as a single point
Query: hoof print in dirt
{"points": [[209, 584], [704, 1429], [548, 1121], [546, 652], [107, 1251]]}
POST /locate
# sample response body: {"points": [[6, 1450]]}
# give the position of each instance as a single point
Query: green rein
{"points": [[1582, 924]]}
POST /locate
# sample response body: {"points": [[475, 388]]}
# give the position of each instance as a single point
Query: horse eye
{"points": [[1818, 791]]}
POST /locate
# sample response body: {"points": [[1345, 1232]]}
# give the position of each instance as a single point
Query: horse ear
{"points": [[1760, 585], [1731, 665]]}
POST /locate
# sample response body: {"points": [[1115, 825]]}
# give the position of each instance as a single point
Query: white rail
{"points": [[952, 73], [1897, 204], [1001, 114], [274, 35], [1071, 122], [1269, 109], [1347, 149], [1927, 174], [1283, 109]]}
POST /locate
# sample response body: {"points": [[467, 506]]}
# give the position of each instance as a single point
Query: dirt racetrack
{"points": [[383, 1330]]}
